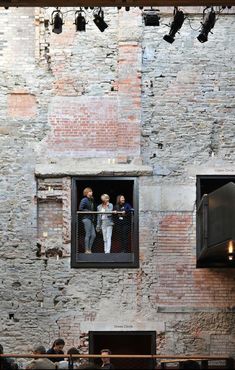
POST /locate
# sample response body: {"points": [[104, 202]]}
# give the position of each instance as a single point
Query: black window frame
{"points": [[115, 263]]}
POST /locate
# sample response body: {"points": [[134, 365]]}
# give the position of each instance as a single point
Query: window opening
{"points": [[215, 221], [105, 231]]}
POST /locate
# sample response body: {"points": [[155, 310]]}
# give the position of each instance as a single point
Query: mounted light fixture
{"points": [[231, 253], [99, 20], [208, 23], [57, 21], [175, 25], [80, 21], [151, 17]]}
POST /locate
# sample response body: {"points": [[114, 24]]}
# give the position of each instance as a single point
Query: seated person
{"points": [[56, 349], [7, 363], [76, 361], [106, 363], [40, 363]]}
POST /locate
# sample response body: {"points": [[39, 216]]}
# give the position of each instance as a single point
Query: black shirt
{"points": [[107, 366], [51, 351]]}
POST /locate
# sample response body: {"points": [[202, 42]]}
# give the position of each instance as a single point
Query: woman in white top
{"points": [[65, 364], [105, 221]]}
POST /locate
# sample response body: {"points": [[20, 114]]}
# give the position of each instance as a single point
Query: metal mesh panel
{"points": [[121, 231]]}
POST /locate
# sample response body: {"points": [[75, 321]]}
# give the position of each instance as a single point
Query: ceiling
{"points": [[113, 3]]}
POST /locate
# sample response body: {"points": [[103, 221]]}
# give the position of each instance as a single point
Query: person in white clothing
{"points": [[105, 221], [76, 361]]}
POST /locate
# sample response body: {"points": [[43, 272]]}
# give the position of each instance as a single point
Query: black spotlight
{"points": [[57, 21], [99, 21], [151, 17], [80, 21], [175, 25], [207, 24]]}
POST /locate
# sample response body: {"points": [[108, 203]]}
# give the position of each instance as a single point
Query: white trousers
{"points": [[107, 236]]}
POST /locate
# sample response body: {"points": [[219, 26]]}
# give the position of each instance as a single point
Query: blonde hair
{"points": [[86, 191], [104, 197]]}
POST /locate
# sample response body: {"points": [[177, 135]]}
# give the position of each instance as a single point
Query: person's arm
{"points": [[128, 208], [110, 215], [83, 206]]}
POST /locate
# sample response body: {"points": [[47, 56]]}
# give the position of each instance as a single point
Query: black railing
{"points": [[104, 232], [155, 361]]}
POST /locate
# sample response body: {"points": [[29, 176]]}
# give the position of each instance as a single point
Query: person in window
{"points": [[56, 349], [87, 205], [106, 363], [105, 221], [123, 221]]}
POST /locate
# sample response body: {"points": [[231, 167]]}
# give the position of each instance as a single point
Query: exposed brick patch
{"points": [[54, 217], [90, 124], [21, 104], [50, 219], [179, 282], [66, 210]]}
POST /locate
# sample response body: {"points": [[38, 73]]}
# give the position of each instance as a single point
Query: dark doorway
{"points": [[206, 184], [125, 342]]}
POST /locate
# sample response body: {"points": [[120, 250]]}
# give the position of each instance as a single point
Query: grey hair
{"points": [[39, 349]]}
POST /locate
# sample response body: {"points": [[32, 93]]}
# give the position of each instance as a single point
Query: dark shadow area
{"points": [[125, 342]]}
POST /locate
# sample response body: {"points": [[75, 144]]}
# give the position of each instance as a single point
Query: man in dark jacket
{"points": [[56, 349], [87, 205], [106, 363]]}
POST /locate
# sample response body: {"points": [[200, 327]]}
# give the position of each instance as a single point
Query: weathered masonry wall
{"points": [[96, 103]]}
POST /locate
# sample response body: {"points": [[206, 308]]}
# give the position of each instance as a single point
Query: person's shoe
{"points": [[87, 252]]}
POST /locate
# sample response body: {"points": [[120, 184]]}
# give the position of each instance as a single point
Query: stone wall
{"points": [[178, 120]]}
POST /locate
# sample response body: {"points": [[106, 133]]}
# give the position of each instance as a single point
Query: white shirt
{"points": [[65, 365]]}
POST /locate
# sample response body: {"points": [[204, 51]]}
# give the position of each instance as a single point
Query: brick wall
{"points": [[133, 93], [95, 91]]}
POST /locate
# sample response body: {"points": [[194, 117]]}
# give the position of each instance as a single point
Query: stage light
{"points": [[57, 21], [208, 23], [151, 17], [80, 21], [99, 20], [175, 25]]}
